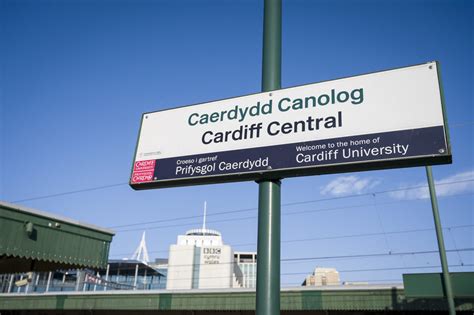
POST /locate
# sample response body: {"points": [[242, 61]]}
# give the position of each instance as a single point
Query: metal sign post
{"points": [[269, 204], [439, 235]]}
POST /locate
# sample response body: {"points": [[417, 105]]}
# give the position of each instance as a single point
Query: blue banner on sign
{"points": [[388, 146]]}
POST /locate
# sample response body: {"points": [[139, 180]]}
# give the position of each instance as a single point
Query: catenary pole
{"points": [[439, 235], [269, 204]]}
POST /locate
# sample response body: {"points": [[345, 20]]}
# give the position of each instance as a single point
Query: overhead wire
{"points": [[69, 192], [323, 238], [340, 271], [216, 266], [345, 257], [382, 269], [283, 205]]}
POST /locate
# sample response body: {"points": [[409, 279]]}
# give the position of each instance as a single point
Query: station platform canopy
{"points": [[32, 240]]}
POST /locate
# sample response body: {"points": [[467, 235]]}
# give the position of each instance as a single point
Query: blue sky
{"points": [[77, 75]]}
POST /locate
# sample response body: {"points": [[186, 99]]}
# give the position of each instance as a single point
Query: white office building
{"points": [[200, 260]]}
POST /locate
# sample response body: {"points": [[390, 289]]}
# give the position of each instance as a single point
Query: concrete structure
{"points": [[199, 259], [322, 277], [247, 263]]}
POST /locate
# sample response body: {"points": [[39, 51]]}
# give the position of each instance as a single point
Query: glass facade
{"points": [[247, 262], [120, 275]]}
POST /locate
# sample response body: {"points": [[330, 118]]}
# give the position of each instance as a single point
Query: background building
{"points": [[160, 265], [322, 277], [199, 259], [247, 263]]}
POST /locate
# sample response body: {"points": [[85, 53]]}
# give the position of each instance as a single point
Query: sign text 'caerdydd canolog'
{"points": [[387, 119]]}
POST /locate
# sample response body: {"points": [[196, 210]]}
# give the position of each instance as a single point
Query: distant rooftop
{"points": [[203, 232]]}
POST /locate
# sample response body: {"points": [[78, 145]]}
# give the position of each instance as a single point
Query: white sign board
{"points": [[386, 119]]}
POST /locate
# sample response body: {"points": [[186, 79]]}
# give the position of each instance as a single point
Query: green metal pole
{"points": [[268, 251], [269, 197], [442, 251], [271, 63]]}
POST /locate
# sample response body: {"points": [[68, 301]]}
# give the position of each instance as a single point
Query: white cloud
{"points": [[346, 185], [452, 185]]}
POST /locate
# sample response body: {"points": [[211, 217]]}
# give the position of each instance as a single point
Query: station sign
{"points": [[386, 119]]}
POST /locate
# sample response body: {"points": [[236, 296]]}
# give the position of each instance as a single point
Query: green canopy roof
{"points": [[32, 240]]}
